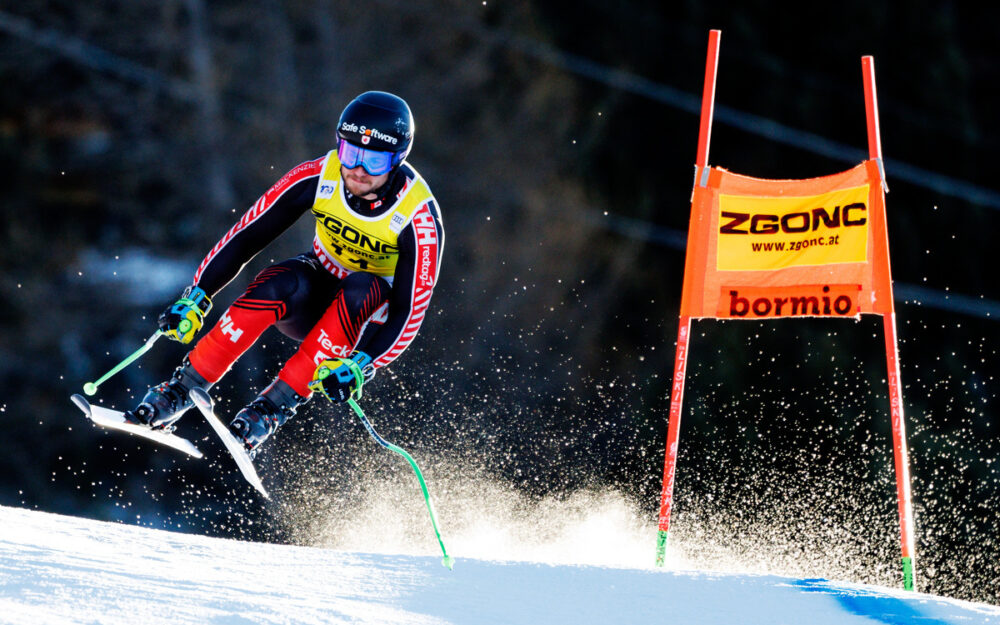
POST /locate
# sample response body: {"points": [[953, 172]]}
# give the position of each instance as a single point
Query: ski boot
{"points": [[165, 403], [255, 423]]}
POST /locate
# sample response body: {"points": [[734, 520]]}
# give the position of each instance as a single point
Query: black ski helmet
{"points": [[378, 121]]}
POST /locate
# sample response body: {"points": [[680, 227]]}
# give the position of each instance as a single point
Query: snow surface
{"points": [[63, 570]]}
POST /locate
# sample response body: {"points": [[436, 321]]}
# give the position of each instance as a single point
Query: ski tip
{"points": [[201, 398], [81, 403]]}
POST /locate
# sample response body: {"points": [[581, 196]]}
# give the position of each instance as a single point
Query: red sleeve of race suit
{"points": [[421, 243], [273, 213]]}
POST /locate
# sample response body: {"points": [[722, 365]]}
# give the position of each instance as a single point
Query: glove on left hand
{"points": [[339, 379]]}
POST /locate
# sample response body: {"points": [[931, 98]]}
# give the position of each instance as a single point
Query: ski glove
{"points": [[182, 319], [340, 379]]}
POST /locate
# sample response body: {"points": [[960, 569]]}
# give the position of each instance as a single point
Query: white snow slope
{"points": [[58, 570]]}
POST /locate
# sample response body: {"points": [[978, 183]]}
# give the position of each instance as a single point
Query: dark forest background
{"points": [[559, 139]]}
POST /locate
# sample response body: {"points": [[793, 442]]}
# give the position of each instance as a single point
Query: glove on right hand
{"points": [[182, 319]]}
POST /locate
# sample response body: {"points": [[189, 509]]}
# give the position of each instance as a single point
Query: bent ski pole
{"points": [[447, 561], [91, 387]]}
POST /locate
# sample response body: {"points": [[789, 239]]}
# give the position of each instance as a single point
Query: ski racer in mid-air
{"points": [[354, 302]]}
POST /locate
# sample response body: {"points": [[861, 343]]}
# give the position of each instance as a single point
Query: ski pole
{"points": [[91, 387], [447, 561]]}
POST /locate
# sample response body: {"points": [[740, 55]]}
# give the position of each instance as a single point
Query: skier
{"points": [[354, 302]]}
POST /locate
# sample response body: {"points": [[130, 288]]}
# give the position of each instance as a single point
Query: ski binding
{"points": [[114, 419]]}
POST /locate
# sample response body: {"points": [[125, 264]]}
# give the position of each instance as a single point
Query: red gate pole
{"points": [[684, 328], [906, 526], [673, 432]]}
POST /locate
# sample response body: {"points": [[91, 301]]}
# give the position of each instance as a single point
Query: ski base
{"points": [[233, 446], [114, 419]]}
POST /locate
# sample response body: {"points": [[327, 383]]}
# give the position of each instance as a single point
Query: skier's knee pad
{"points": [[364, 293], [277, 283]]}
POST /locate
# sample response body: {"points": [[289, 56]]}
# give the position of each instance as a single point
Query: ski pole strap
{"points": [[447, 560], [194, 298], [359, 378]]}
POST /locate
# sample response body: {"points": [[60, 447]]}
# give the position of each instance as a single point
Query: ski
{"points": [[235, 448], [114, 419]]}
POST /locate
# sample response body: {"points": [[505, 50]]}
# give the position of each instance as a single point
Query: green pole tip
{"points": [[89, 388], [448, 562]]}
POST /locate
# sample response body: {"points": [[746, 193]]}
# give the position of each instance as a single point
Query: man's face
{"points": [[361, 183]]}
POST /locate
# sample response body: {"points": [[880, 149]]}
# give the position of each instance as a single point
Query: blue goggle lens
{"points": [[375, 162]]}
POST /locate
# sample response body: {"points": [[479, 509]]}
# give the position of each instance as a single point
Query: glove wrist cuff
{"points": [[197, 298]]}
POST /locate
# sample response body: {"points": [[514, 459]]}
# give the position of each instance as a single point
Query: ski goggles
{"points": [[375, 162]]}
